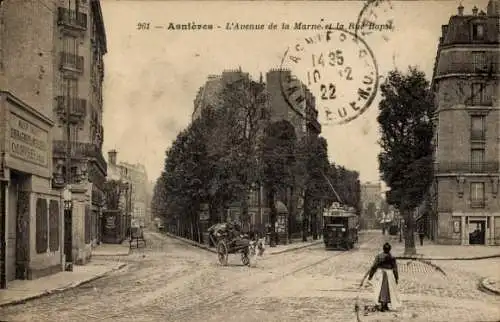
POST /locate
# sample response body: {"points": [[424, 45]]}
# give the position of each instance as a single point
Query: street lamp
{"points": [[68, 232]]}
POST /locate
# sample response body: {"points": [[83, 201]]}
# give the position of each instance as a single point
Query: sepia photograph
{"points": [[255, 161]]}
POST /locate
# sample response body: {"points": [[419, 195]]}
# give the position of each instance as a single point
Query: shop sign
{"points": [[28, 142]]}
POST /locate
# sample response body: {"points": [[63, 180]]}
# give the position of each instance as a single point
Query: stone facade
{"points": [[136, 175], [467, 172]]}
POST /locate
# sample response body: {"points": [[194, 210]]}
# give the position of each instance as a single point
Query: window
{"points": [[478, 32], [70, 87], [54, 225], [70, 45], [477, 128], [477, 194], [479, 61], [73, 133], [477, 160], [41, 226], [477, 96]]}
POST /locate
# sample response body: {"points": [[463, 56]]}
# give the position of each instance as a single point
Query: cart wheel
{"points": [[244, 258], [222, 252]]}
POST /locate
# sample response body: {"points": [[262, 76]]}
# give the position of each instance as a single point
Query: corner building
{"points": [[31, 230], [467, 172]]}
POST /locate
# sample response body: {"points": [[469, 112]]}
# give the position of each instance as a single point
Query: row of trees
{"points": [[234, 148]]}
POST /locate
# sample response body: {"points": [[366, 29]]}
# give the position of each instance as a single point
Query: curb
{"points": [[483, 286], [448, 258], [193, 243], [190, 242], [62, 289]]}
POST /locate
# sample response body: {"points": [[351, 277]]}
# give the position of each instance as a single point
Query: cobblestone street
{"points": [[170, 281]]}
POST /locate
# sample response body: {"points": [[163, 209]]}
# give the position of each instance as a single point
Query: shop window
{"points": [[87, 225], [41, 226], [54, 225]]}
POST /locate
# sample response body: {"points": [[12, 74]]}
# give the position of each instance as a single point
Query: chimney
{"points": [[460, 10], [493, 8], [112, 157], [474, 11]]}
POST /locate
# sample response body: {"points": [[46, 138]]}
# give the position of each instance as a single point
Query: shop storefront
{"points": [[31, 227]]}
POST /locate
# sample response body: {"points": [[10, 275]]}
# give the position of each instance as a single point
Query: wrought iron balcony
{"points": [[477, 203], [79, 150], [452, 67], [71, 18], [477, 135], [71, 61], [77, 107], [467, 167]]}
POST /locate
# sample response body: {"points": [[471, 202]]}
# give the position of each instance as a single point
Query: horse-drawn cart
{"points": [[228, 240]]}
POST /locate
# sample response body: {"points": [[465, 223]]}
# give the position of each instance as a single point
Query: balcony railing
{"points": [[477, 135], [71, 18], [71, 61], [77, 106], [80, 150], [477, 203], [451, 67], [466, 167]]}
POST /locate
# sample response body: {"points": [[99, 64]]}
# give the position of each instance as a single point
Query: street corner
{"points": [[190, 242]]}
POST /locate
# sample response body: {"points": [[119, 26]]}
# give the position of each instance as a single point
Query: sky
{"points": [[152, 76]]}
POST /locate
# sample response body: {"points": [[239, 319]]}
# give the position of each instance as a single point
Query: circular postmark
{"points": [[375, 20], [338, 68]]}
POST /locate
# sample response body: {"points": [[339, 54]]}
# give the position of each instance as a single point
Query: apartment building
{"points": [[467, 172], [137, 176], [51, 76]]}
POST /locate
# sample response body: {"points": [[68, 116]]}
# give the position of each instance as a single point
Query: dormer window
{"points": [[478, 31]]}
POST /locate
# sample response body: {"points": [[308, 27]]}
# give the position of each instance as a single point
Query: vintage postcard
{"points": [[249, 160]]}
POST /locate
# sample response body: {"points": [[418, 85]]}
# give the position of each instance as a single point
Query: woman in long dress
{"points": [[385, 271]]}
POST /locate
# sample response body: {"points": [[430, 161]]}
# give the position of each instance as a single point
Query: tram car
{"points": [[340, 227]]}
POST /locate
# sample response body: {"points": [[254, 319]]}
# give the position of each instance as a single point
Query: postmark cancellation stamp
{"points": [[338, 67]]}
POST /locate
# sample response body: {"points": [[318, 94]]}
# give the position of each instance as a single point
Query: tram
{"points": [[340, 227]]}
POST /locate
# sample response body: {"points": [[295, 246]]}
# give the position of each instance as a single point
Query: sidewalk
{"points": [[122, 249], [280, 249], [19, 291], [431, 251]]}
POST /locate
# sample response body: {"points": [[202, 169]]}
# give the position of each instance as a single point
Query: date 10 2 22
{"points": [[143, 25], [335, 58]]}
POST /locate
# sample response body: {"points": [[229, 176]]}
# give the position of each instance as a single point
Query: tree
{"points": [[315, 152], [234, 142], [406, 121], [113, 191], [278, 160]]}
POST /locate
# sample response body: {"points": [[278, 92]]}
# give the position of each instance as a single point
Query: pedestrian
{"points": [[421, 235], [385, 271]]}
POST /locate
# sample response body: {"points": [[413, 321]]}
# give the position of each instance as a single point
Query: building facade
{"points": [[136, 175], [31, 210], [467, 155], [371, 193]]}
